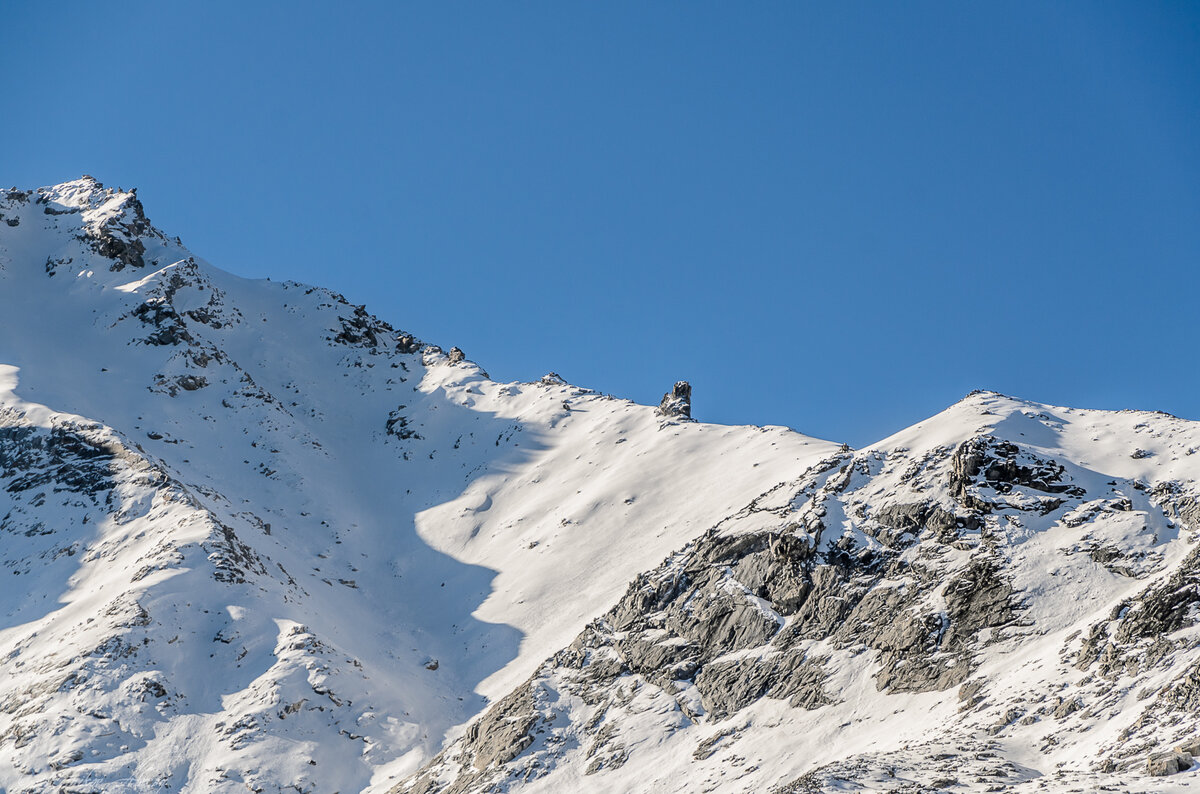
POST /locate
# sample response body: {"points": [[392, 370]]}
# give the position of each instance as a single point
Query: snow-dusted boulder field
{"points": [[253, 538]]}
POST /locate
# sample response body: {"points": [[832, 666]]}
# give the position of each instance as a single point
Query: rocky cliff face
{"points": [[913, 616], [258, 539]]}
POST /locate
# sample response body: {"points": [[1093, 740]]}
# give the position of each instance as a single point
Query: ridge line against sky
{"points": [[840, 218]]}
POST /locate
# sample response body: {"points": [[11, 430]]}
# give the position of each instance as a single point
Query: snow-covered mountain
{"points": [[256, 539]]}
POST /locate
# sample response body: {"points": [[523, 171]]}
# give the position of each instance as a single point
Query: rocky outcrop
{"points": [[59, 458], [732, 619], [1137, 634], [167, 324], [495, 739], [398, 425], [118, 234], [677, 403], [407, 343], [362, 329], [793, 676], [886, 568], [1168, 763], [990, 473]]}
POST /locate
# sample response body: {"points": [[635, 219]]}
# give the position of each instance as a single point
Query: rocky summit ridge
{"points": [[257, 539]]}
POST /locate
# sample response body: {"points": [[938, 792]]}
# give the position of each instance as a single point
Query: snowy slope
{"points": [[1003, 597], [258, 538]]}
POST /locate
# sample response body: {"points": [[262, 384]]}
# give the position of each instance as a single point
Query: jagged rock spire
{"points": [[677, 403]]}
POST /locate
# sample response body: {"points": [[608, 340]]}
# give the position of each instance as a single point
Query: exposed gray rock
{"points": [[709, 746], [1165, 607], [1168, 763], [119, 237], [407, 343], [918, 517], [499, 736], [986, 468], [398, 425], [727, 687], [362, 329], [60, 456], [1067, 707], [169, 326], [503, 732], [122, 248], [912, 586], [1159, 610], [1010, 716], [1183, 694], [677, 403], [1191, 747], [719, 615]]}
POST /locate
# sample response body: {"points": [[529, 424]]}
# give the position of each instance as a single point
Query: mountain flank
{"points": [[255, 538]]}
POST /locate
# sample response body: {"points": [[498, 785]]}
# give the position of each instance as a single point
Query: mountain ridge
{"points": [[596, 706], [240, 390], [273, 543]]}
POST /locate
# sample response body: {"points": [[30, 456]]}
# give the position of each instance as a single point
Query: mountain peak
{"points": [[81, 192], [89, 196], [257, 538], [84, 225]]}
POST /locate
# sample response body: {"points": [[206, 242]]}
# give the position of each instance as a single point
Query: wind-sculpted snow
{"points": [[267, 542]]}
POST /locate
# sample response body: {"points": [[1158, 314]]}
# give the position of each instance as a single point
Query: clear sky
{"points": [[835, 216]]}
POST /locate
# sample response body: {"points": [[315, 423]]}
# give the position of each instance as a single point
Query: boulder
{"points": [[1168, 763]]}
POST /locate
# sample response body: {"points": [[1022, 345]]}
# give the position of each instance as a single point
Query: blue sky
{"points": [[840, 217]]}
